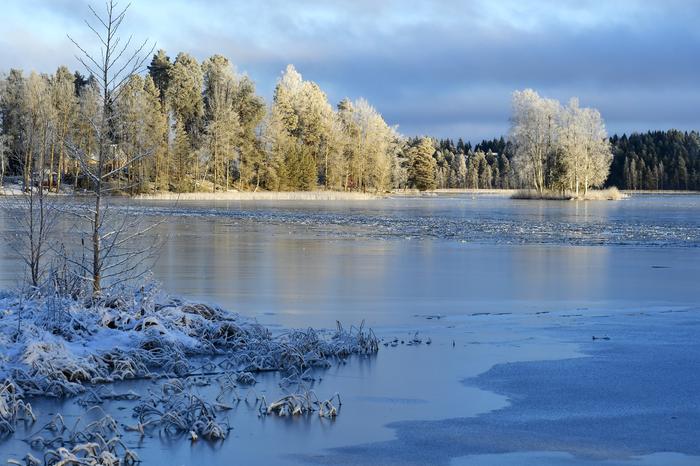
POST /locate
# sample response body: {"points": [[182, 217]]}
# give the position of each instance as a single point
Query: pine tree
{"points": [[184, 92], [184, 98], [159, 70]]}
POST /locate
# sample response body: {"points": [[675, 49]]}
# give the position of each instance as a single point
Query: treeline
{"points": [[487, 165], [204, 128], [656, 160]]}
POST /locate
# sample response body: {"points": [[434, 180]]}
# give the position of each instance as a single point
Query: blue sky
{"points": [[443, 67]]}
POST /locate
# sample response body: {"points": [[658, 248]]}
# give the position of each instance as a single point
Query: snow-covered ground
{"points": [[66, 346]]}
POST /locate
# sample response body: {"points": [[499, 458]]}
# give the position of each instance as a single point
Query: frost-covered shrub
{"points": [[144, 333]]}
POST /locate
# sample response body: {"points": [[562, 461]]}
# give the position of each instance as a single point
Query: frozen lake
{"points": [[386, 261], [519, 285]]}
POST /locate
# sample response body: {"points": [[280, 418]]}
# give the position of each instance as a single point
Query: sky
{"points": [[444, 68]]}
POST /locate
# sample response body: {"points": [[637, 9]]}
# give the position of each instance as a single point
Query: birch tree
{"points": [[533, 132], [140, 129], [65, 106], [115, 64], [584, 148], [182, 154], [83, 141], [598, 151], [353, 166], [222, 127], [35, 217], [374, 147]]}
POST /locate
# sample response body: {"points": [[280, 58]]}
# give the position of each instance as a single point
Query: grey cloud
{"points": [[442, 67]]}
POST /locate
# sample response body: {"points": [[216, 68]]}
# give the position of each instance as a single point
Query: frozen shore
{"points": [[66, 347]]}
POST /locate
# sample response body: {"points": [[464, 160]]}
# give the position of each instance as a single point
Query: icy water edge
{"points": [[520, 287]]}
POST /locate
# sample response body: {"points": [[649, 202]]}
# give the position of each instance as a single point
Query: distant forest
{"points": [[656, 160]]}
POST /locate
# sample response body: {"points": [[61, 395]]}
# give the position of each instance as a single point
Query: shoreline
{"points": [[261, 196], [322, 195]]}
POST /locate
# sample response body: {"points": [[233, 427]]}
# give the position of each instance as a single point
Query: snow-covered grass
{"points": [[262, 196], [610, 194], [63, 346]]}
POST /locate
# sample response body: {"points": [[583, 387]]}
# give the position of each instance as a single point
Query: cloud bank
{"points": [[443, 68]]}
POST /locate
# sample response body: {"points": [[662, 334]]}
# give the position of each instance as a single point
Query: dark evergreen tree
{"points": [[159, 69]]}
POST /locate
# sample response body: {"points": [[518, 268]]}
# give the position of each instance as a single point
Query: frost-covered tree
{"points": [[299, 127], [533, 132], [39, 124], [598, 150], [458, 171], [12, 109], [584, 148], [422, 172], [155, 122], [184, 97], [114, 66], [222, 131], [370, 146], [250, 109], [141, 129], [129, 125], [83, 139], [65, 105], [184, 92], [376, 144], [182, 155], [400, 164], [350, 144], [36, 134], [316, 124], [565, 148]]}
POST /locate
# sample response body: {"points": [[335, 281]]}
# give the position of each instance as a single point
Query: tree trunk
{"points": [[28, 168], [51, 160]]}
